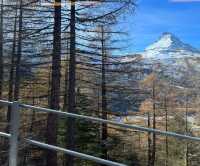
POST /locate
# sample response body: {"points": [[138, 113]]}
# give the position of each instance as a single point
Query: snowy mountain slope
{"points": [[168, 57], [166, 48], [170, 42], [169, 46], [170, 53]]}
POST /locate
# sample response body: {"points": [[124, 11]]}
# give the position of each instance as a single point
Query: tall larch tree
{"points": [[55, 84], [1, 48], [72, 82]]}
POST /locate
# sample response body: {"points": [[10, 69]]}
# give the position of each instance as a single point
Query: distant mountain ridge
{"points": [[172, 60], [169, 55], [169, 41], [168, 46]]}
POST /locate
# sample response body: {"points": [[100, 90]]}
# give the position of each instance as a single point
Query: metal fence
{"points": [[13, 136]]}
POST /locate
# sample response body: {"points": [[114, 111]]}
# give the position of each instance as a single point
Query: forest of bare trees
{"points": [[65, 55]]}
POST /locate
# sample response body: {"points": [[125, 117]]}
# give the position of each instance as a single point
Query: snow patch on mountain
{"points": [[168, 54], [168, 41], [169, 47]]}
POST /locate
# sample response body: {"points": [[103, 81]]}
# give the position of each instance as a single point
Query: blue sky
{"points": [[153, 17]]}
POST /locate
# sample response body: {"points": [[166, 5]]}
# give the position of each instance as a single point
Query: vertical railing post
{"points": [[14, 131]]}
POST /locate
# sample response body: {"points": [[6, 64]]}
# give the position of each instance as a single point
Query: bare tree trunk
{"points": [[149, 141], [187, 155], [104, 100], [12, 68], [186, 130], [72, 84], [55, 85], [65, 103], [166, 129], [154, 127], [1, 50], [49, 87], [27, 150], [19, 54]]}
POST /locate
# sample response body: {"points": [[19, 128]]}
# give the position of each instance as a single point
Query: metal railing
{"points": [[14, 133]]}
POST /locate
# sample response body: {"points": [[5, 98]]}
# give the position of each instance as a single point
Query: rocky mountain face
{"points": [[170, 55], [171, 59], [169, 46]]}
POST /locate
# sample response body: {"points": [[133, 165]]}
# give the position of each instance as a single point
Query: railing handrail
{"points": [[87, 118], [5, 135], [123, 125], [5, 103], [13, 150]]}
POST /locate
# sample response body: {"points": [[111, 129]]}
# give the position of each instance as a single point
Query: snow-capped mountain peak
{"points": [[166, 41], [168, 49], [169, 55], [169, 46]]}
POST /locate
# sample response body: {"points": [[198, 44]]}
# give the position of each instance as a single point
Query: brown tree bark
{"points": [[1, 49], [55, 85], [186, 131], [104, 131], [153, 157], [12, 67], [149, 141], [65, 102], [166, 129], [19, 54], [72, 85]]}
